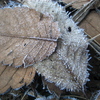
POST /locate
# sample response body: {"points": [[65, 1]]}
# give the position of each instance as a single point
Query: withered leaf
{"points": [[11, 77], [76, 3], [26, 36], [91, 24], [67, 66], [52, 88], [64, 77]]}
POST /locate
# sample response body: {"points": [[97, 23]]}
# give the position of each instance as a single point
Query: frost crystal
{"points": [[67, 67]]}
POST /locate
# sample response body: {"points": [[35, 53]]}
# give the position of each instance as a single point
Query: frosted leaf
{"points": [[24, 37], [67, 67]]}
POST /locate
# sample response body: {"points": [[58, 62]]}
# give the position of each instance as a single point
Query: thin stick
{"points": [[94, 37]]}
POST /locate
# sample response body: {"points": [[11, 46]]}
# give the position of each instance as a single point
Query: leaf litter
{"points": [[17, 47], [35, 40]]}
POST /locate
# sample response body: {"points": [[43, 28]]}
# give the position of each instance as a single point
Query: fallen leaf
{"points": [[52, 88], [91, 24], [25, 36], [77, 3], [64, 77], [15, 78], [67, 66]]}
